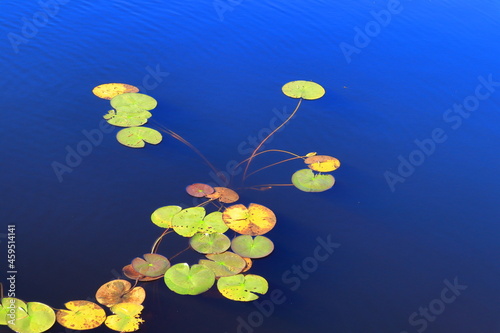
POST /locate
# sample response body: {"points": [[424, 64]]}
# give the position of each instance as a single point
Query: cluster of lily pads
{"points": [[227, 258]]}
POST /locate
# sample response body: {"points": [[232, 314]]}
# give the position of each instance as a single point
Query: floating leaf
{"points": [[133, 102], [118, 291], [322, 163], [248, 246], [199, 190], [135, 137], [162, 217], [189, 221], [124, 119], [210, 243], [152, 265], [242, 287], [305, 180], [126, 317], [224, 194], [132, 274], [31, 317], [81, 315], [224, 264], [254, 220], [110, 90], [303, 89], [186, 280]]}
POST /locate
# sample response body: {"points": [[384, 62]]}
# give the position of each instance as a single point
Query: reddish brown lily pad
{"points": [[199, 190]]}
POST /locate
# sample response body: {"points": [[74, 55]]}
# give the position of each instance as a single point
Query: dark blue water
{"points": [[411, 110]]}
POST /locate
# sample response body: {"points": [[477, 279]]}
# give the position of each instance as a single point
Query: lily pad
{"points": [[124, 119], [249, 264], [135, 137], [248, 246], [199, 190], [162, 217], [118, 291], [210, 243], [110, 90], [322, 163], [224, 264], [189, 221], [126, 317], [186, 280], [152, 265], [242, 287], [81, 315], [133, 102], [132, 274], [303, 89], [306, 180], [254, 220], [31, 317], [224, 194]]}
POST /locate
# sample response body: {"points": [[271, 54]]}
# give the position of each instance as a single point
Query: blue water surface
{"points": [[406, 240]]}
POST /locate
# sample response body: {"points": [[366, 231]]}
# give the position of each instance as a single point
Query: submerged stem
{"points": [[158, 240], [187, 248], [270, 165], [267, 137], [187, 143]]}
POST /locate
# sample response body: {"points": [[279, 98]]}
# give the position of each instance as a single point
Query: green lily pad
{"points": [[303, 89], [162, 217], [135, 137], [306, 180], [224, 264], [189, 221], [250, 247], [124, 119], [186, 280], [152, 265], [210, 243], [126, 317], [242, 287], [133, 102], [11, 309], [31, 317]]}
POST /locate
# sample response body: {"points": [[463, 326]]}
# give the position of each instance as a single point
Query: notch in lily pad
{"points": [[243, 288], [303, 89], [31, 317], [306, 180], [210, 243], [135, 137], [252, 247], [81, 315], [254, 220], [224, 264], [186, 280], [126, 317], [119, 291], [152, 265]]}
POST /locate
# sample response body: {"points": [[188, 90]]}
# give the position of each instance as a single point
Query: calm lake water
{"points": [[406, 240]]}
